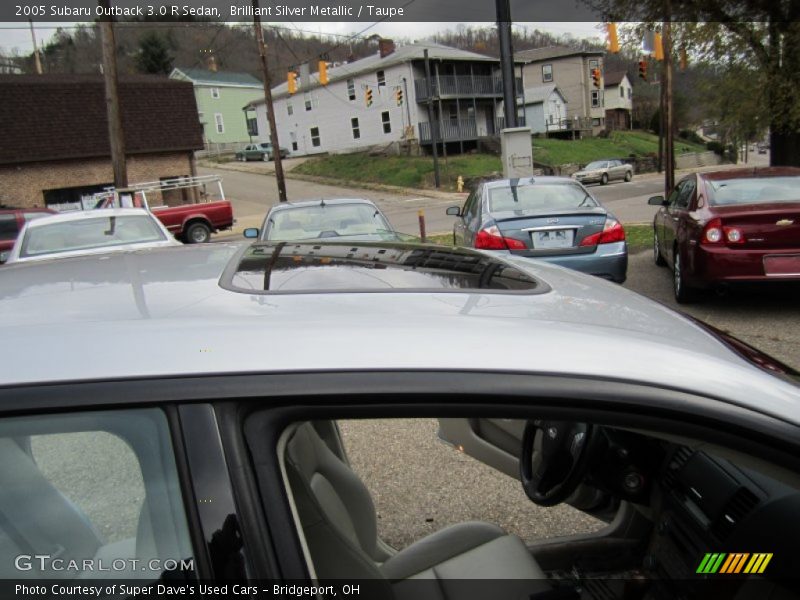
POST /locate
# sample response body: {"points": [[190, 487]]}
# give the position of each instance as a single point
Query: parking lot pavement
{"points": [[421, 485], [765, 317]]}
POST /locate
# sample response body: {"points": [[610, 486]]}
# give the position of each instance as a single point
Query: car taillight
{"points": [[612, 232], [734, 235], [489, 238], [712, 233]]}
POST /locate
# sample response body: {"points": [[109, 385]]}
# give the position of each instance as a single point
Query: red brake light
{"points": [[712, 233], [612, 232], [489, 238]]}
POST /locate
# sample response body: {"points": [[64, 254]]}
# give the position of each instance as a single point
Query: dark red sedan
{"points": [[730, 226]]}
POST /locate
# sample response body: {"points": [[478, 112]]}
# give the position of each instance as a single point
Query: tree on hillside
{"points": [[763, 37], [153, 57]]}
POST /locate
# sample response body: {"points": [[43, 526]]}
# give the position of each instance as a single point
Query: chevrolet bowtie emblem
{"points": [[784, 222]]}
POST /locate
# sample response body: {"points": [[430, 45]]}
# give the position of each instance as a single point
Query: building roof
{"points": [[402, 54], [614, 78], [216, 78], [540, 93], [551, 52], [62, 117]]}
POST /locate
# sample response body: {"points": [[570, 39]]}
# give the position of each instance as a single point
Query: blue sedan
{"points": [[548, 218]]}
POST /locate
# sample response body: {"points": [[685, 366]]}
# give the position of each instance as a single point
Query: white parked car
{"points": [[89, 232]]}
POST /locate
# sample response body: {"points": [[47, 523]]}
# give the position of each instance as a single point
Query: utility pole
{"points": [[503, 9], [273, 130], [434, 125], [36, 58], [669, 142], [116, 136]]}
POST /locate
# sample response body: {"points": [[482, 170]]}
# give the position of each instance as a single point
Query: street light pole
{"points": [[116, 136], [503, 9]]}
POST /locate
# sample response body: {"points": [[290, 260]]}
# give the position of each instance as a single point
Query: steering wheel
{"points": [[554, 460]]}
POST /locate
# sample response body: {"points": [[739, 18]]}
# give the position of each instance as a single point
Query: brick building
{"points": [[54, 146]]}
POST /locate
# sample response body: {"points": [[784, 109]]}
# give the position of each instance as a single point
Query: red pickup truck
{"points": [[192, 222]]}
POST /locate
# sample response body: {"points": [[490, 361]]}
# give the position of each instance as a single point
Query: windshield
{"points": [[98, 232], [754, 191], [540, 197], [329, 220], [598, 164]]}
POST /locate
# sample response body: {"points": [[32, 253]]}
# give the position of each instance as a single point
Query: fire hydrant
{"points": [[460, 184]]}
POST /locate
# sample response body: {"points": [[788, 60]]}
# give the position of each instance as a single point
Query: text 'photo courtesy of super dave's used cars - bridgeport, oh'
{"points": [[316, 405]]}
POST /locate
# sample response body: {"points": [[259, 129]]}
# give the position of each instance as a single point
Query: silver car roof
{"points": [[162, 312]]}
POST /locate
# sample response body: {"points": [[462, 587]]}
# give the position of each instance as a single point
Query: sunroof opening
{"points": [[286, 267]]}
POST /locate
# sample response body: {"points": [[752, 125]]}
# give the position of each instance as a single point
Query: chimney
{"points": [[386, 47], [211, 62]]}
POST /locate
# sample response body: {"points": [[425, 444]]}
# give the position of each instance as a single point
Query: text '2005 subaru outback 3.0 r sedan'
{"points": [[185, 417]]}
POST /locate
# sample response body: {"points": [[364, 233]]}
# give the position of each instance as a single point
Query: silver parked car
{"points": [[189, 416], [554, 219], [347, 218], [89, 232], [603, 171]]}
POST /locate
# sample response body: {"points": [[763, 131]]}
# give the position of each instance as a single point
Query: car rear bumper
{"points": [[609, 261], [715, 266]]}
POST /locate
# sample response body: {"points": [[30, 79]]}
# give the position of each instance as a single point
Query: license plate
{"points": [[553, 238], [782, 265]]}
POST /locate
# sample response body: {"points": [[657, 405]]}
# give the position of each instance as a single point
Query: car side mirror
{"points": [[657, 201], [251, 232], [453, 211]]}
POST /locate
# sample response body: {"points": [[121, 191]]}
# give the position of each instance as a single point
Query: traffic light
{"points": [[643, 69], [596, 77], [613, 40], [292, 82], [368, 97], [658, 51], [323, 72], [398, 96]]}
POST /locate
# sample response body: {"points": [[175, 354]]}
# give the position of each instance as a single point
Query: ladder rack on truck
{"points": [[136, 195]]}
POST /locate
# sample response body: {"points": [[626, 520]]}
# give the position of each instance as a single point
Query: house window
{"points": [[595, 98], [293, 139], [547, 73], [252, 126], [219, 123], [630, 93], [381, 79], [387, 123], [593, 64], [215, 93], [308, 105], [595, 122], [315, 137], [289, 109], [356, 128], [351, 89]]}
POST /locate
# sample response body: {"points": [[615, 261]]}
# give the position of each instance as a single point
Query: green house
{"points": [[220, 97]]}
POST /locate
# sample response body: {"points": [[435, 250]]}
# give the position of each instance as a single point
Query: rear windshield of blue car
{"points": [[539, 197], [754, 190], [287, 267]]}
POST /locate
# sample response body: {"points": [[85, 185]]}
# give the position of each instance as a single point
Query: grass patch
{"points": [[620, 144], [404, 171], [639, 237], [443, 239]]}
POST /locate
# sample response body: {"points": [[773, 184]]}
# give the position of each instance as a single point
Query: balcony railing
{"points": [[469, 86], [457, 130]]}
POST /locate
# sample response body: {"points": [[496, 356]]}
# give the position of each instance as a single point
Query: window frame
{"points": [[351, 89], [547, 73], [380, 75], [355, 128], [215, 93], [386, 122], [318, 137], [595, 99], [289, 109], [219, 123]]}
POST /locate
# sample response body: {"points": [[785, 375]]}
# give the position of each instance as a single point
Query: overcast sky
{"points": [[17, 35]]}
